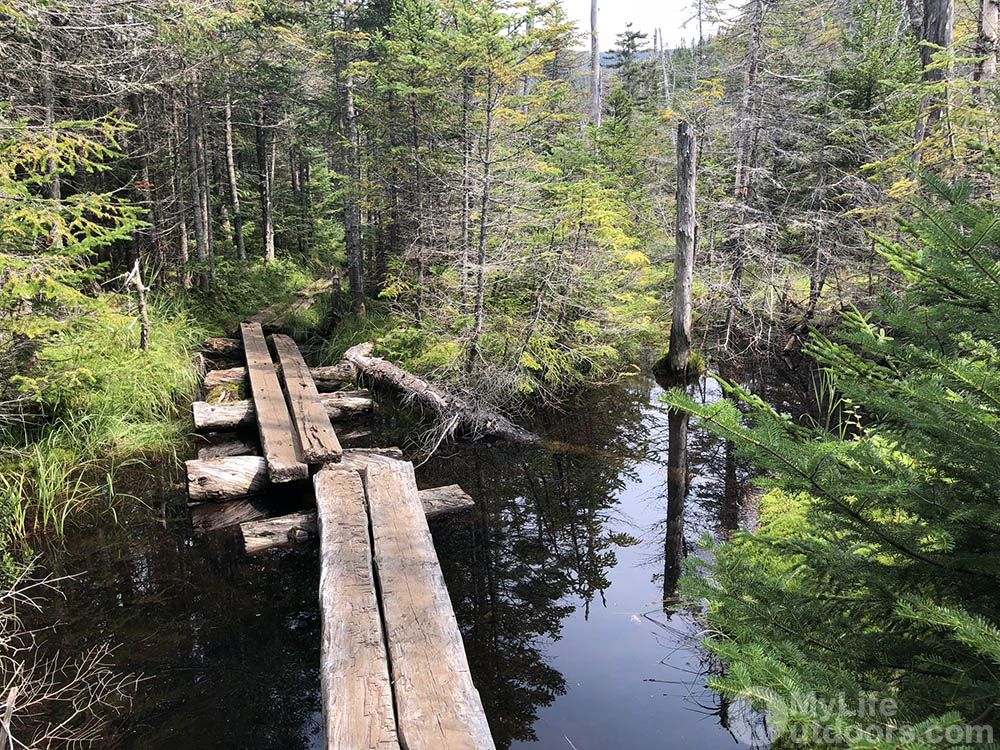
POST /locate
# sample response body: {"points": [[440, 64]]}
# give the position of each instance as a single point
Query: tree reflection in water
{"points": [[231, 643]]}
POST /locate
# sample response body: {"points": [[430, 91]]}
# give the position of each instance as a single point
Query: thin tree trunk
{"points": [[352, 214], [264, 176], [197, 203], [466, 183], [234, 193], [206, 198], [938, 32], [663, 70], [743, 183], [176, 188], [989, 41], [484, 210], [49, 103], [595, 67], [143, 310], [680, 329]]}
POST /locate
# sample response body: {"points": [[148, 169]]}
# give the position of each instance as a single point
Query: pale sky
{"points": [[645, 15]]}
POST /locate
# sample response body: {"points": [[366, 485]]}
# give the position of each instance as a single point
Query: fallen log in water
{"points": [[458, 414], [326, 378], [219, 479], [260, 535], [339, 405]]}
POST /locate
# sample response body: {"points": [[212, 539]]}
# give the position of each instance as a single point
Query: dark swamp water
{"points": [[557, 579]]}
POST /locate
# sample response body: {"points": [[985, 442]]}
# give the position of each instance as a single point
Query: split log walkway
{"points": [[393, 669]]}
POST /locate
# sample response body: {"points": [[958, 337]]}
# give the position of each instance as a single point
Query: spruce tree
{"points": [[880, 573]]}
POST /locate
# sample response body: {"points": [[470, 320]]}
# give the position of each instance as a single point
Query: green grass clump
{"points": [[93, 403]]}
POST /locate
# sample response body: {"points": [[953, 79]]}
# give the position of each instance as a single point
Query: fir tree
{"points": [[887, 581]]}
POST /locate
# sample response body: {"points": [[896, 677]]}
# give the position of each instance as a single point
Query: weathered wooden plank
{"points": [[206, 517], [339, 406], [277, 435], [220, 479], [231, 446], [437, 705], [354, 676], [317, 439], [326, 378], [261, 533], [264, 534], [217, 479]]}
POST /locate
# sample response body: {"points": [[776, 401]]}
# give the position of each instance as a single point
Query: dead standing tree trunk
{"points": [[595, 67], [938, 35], [680, 329], [197, 200], [234, 193]]}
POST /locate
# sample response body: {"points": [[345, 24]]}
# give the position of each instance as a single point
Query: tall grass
{"points": [[98, 402]]}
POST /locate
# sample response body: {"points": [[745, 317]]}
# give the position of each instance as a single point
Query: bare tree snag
{"points": [[680, 328]]}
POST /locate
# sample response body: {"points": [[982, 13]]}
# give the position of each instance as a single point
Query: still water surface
{"points": [[556, 578]]}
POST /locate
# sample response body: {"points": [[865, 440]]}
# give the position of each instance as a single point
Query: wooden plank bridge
{"points": [[393, 668]]}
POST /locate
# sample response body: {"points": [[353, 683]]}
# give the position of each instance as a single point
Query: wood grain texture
{"points": [[215, 378], [206, 517], [339, 406], [354, 676], [225, 447], [211, 417], [266, 533], [277, 435], [260, 535], [221, 479], [217, 479], [327, 379], [317, 439], [457, 413], [437, 705]]}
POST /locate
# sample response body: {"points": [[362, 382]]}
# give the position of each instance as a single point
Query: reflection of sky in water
{"points": [[633, 673], [230, 644]]}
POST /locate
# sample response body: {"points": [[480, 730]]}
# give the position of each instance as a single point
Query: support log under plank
{"points": [[217, 480], [326, 378], [437, 704], [317, 439], [234, 414], [261, 533], [277, 437]]}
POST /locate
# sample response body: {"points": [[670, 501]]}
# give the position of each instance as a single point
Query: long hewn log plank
{"points": [[354, 677], [326, 378], [437, 704], [234, 414], [277, 436], [456, 413], [317, 439], [261, 533], [220, 479]]}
